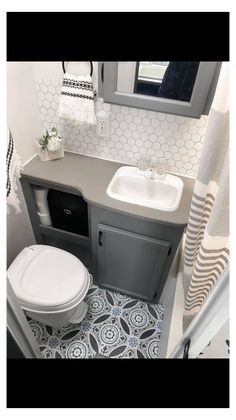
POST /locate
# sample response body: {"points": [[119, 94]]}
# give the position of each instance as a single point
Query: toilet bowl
{"points": [[50, 284]]}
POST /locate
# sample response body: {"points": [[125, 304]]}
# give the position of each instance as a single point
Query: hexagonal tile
{"points": [[179, 164], [144, 136], [173, 126], [185, 158], [193, 129], [202, 131], [111, 144], [167, 133], [41, 94], [46, 103], [168, 155], [133, 111], [126, 147], [43, 88], [132, 127], [134, 149], [147, 144], [177, 157], [164, 125], [196, 138], [146, 122], [120, 117], [128, 118], [131, 141], [156, 146], [161, 140], [160, 117], [119, 131], [183, 151], [122, 153], [187, 165], [115, 124], [190, 153], [198, 146], [116, 109], [51, 112], [164, 147], [150, 130], [139, 143], [119, 146], [140, 128], [129, 154], [153, 138], [137, 120], [124, 110], [123, 139], [151, 115], [136, 135], [177, 135], [49, 118], [183, 127], [155, 123], [142, 113], [170, 118], [201, 122], [124, 125], [127, 133], [189, 144]]}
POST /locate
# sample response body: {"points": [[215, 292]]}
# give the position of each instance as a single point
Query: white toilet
{"points": [[50, 285]]}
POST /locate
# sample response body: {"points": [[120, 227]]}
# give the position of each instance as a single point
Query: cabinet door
{"points": [[129, 262]]}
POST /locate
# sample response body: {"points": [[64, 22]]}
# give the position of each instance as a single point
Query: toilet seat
{"points": [[47, 279]]}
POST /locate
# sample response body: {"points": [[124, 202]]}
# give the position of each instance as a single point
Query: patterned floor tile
{"points": [[115, 326]]}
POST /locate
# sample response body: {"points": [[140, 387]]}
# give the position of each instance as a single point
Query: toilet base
{"points": [[59, 320], [79, 313]]}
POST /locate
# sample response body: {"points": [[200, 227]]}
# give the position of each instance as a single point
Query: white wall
{"points": [[23, 119]]}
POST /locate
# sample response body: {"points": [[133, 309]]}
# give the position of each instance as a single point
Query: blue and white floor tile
{"points": [[116, 326]]}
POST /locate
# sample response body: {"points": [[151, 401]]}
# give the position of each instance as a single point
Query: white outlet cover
{"points": [[103, 124]]}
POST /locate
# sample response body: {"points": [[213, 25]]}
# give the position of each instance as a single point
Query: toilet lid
{"points": [[50, 277]]}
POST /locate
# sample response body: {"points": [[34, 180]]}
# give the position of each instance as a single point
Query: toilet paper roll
{"points": [[45, 219], [41, 194]]}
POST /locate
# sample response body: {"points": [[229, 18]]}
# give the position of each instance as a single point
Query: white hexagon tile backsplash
{"points": [[136, 134]]}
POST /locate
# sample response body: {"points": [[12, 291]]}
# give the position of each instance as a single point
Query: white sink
{"points": [[131, 185]]}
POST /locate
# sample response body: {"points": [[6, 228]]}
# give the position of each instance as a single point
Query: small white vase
{"points": [[47, 155]]}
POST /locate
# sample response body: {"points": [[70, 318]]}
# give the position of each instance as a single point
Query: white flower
{"points": [[54, 144]]}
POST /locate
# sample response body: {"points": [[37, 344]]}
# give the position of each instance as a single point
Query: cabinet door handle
{"points": [[102, 72], [99, 238]]}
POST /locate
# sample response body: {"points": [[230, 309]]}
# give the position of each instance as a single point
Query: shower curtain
{"points": [[206, 252]]}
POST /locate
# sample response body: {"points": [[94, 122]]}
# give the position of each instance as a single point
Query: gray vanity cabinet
{"points": [[129, 262], [132, 255]]}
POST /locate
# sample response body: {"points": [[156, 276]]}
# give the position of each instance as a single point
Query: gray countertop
{"points": [[92, 175]]}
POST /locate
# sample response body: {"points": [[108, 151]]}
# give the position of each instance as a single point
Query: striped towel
{"points": [[13, 173], [77, 100]]}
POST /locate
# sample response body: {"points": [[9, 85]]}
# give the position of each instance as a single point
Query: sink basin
{"points": [[131, 185]]}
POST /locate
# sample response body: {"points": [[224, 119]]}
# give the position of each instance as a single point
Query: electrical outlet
{"points": [[103, 124]]}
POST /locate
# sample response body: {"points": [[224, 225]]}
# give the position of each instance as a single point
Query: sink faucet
{"points": [[155, 172], [152, 172]]}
